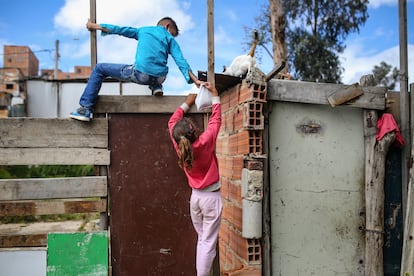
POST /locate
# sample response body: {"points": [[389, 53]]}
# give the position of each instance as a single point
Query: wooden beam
{"points": [[140, 104], [210, 41], [33, 240], [53, 133], [92, 17], [54, 156], [345, 95], [375, 159], [52, 188], [318, 93], [51, 207], [34, 234]]}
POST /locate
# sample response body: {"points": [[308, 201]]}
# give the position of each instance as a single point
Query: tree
{"points": [[316, 33], [383, 75], [278, 31]]}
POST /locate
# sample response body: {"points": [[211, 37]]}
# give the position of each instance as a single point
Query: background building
{"points": [[20, 65]]}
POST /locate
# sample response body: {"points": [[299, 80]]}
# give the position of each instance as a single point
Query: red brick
{"points": [[233, 144], [238, 217], [244, 271], [237, 166], [242, 141], [254, 251], [253, 115], [222, 145], [225, 101], [255, 142], [224, 188], [224, 233], [252, 92], [254, 165], [227, 213], [234, 193]]}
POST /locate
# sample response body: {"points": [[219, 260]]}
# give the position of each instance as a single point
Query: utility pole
{"points": [[55, 73], [93, 34], [210, 38]]}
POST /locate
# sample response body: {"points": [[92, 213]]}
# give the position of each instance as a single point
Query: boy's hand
{"points": [[198, 83], [95, 27], [89, 25]]}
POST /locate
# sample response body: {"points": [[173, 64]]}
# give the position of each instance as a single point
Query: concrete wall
{"points": [[57, 99], [317, 185]]}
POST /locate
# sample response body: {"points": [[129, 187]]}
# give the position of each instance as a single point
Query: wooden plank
{"points": [[53, 133], [52, 188], [33, 234], [318, 93], [140, 104], [54, 156], [23, 240], [375, 159], [55, 207], [345, 95]]}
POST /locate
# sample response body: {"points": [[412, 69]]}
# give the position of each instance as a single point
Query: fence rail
{"points": [[38, 141]]}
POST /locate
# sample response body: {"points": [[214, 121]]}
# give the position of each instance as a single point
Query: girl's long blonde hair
{"points": [[185, 134]]}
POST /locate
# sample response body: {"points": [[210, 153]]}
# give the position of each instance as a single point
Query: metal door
{"points": [[316, 160], [150, 227]]}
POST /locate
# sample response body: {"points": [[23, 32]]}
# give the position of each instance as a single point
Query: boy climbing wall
{"points": [[156, 43]]}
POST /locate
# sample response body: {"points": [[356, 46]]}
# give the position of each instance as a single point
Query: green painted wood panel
{"points": [[78, 254]]}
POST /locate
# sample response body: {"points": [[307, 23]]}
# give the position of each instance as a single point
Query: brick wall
{"points": [[21, 57], [239, 143]]}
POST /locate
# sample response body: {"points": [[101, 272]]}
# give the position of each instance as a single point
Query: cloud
{"points": [[73, 15], [357, 65], [377, 3]]}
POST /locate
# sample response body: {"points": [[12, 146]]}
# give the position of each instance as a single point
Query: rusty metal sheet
{"points": [[151, 230]]}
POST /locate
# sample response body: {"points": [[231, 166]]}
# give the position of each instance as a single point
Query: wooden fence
{"points": [[29, 141], [52, 141]]}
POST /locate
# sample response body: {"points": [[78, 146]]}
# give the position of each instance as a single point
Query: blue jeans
{"points": [[121, 72]]}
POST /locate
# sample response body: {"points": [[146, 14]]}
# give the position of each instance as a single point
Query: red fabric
{"points": [[387, 124]]}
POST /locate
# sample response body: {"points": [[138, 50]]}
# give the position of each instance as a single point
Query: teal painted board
{"points": [[80, 254]]}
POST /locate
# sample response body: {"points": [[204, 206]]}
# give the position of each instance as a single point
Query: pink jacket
{"points": [[205, 169]]}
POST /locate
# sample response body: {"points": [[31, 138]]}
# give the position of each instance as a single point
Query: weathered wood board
{"points": [[55, 207], [140, 104], [54, 156], [318, 93], [50, 188], [53, 133]]}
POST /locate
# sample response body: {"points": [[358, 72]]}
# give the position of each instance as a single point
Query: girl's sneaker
{"points": [[81, 114]]}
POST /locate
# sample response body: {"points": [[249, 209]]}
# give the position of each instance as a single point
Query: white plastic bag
{"points": [[204, 97]]}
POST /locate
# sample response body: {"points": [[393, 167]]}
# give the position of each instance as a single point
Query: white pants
{"points": [[205, 211]]}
